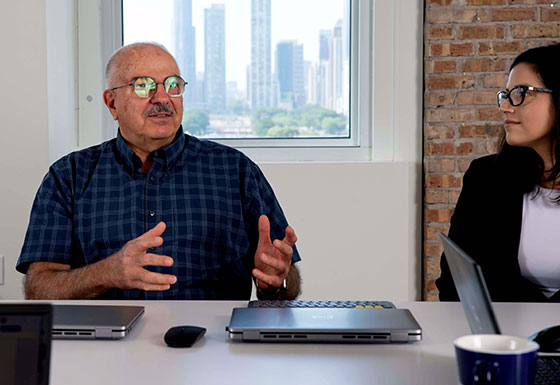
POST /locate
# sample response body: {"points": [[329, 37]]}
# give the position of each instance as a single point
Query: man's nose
{"points": [[160, 94]]}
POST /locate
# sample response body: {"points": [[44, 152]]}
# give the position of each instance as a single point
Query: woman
{"points": [[508, 214]]}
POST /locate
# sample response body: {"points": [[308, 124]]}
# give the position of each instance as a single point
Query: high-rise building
{"points": [[289, 70], [335, 74], [185, 48], [215, 56], [261, 91]]}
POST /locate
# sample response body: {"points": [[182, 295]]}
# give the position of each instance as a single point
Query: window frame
{"points": [[99, 33]]}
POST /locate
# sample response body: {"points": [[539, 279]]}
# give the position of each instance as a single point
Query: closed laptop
{"points": [[323, 325], [94, 322]]}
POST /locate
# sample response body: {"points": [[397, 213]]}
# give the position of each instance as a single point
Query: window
{"points": [[255, 68], [302, 122]]}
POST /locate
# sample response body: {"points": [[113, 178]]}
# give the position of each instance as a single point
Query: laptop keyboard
{"points": [[324, 304], [548, 371]]}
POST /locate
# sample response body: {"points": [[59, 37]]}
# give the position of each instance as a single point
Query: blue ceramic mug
{"points": [[495, 359]]}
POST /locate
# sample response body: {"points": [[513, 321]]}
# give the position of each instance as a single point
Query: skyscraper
{"points": [[215, 56], [289, 70], [261, 91], [185, 48]]}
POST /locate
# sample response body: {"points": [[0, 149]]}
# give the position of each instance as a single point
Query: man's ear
{"points": [[109, 99]]}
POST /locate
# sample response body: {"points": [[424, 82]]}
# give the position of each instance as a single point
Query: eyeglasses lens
{"points": [[517, 95], [174, 86], [144, 87]]}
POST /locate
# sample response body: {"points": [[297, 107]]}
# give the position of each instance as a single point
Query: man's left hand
{"points": [[273, 259]]}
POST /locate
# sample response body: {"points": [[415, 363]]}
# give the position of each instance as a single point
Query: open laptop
{"points": [[475, 298], [346, 325], [94, 322], [25, 343]]}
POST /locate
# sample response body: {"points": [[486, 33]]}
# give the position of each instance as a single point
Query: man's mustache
{"points": [[158, 108]]}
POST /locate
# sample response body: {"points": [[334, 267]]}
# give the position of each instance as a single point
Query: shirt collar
{"points": [[169, 154]]}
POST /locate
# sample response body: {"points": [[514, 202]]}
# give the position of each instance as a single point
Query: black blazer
{"points": [[486, 224]]}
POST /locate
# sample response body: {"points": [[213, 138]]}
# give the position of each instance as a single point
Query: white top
{"points": [[539, 246]]}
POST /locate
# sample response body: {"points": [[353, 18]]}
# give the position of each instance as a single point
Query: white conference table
{"points": [[143, 357]]}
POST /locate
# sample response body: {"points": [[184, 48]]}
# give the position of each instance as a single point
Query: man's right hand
{"points": [[126, 266]]}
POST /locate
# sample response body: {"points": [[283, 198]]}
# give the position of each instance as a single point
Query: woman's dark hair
{"points": [[544, 62]]}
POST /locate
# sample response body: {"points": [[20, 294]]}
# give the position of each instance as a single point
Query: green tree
{"points": [[195, 121], [283, 131]]}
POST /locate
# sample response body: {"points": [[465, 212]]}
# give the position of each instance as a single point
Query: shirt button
{"points": [[152, 213], [153, 178]]}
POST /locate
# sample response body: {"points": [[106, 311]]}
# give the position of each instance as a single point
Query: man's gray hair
{"points": [[114, 62]]}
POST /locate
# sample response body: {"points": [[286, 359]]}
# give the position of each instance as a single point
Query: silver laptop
{"points": [[471, 287], [323, 325], [94, 322]]}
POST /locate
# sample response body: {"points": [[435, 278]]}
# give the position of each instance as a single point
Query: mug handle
{"points": [[485, 372]]}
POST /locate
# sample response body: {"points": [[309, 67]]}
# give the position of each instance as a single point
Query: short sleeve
{"points": [[49, 234]]}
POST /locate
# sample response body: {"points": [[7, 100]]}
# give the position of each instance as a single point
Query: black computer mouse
{"points": [[548, 339], [183, 336]]}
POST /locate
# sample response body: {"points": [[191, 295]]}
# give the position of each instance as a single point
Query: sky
{"points": [[301, 20]]}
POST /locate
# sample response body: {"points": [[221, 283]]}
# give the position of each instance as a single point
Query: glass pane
{"points": [[254, 68]]}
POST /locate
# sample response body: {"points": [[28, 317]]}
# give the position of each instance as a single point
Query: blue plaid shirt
{"points": [[93, 201]]}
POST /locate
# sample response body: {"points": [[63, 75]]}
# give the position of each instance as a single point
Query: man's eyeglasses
{"points": [[516, 95], [145, 86]]}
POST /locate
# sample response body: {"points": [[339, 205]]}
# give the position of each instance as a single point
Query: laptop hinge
{"points": [[103, 333]]}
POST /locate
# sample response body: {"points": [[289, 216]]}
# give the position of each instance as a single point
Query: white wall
{"points": [[359, 223], [24, 152]]}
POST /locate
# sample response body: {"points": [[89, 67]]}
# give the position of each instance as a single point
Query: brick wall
{"points": [[469, 45]]}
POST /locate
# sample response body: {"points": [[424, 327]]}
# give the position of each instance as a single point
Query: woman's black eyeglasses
{"points": [[516, 96]]}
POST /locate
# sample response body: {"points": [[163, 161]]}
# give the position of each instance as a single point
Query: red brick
{"points": [[490, 114], [439, 132], [476, 98], [436, 99], [430, 297], [464, 163], [438, 215], [464, 148], [486, 2], [442, 66], [436, 196], [450, 115], [550, 14], [478, 32], [440, 33], [443, 180], [513, 14], [480, 131], [433, 231], [495, 81], [535, 31], [440, 165], [439, 2], [454, 196], [445, 16], [444, 148], [432, 250], [431, 267], [451, 49], [485, 65], [501, 48], [450, 82], [480, 147]]}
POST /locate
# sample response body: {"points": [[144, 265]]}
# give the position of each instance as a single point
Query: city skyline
{"points": [[237, 27]]}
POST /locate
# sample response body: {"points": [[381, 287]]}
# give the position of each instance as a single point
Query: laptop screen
{"points": [[471, 288], [25, 343]]}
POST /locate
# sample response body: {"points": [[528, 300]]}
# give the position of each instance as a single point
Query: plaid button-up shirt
{"points": [[93, 201]]}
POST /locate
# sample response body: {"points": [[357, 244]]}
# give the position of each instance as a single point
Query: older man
{"points": [[155, 213]]}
